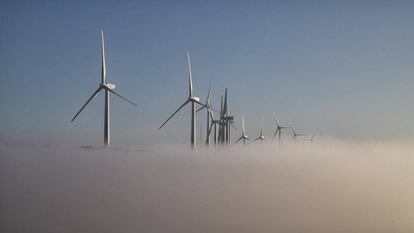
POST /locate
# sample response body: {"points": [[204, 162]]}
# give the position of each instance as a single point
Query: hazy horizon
{"points": [[333, 187]]}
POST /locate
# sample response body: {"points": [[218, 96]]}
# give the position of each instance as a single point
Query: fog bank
{"points": [[332, 187]]}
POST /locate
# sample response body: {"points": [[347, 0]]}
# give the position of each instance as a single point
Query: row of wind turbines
{"points": [[218, 128]]}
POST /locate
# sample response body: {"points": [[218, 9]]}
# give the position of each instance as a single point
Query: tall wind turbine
{"points": [[295, 135], [228, 118], [279, 128], [191, 99], [244, 137], [107, 88]]}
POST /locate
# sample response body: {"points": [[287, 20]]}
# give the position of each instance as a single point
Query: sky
{"points": [[340, 69]]}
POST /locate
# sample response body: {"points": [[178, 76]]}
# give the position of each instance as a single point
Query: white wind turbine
{"points": [[244, 137], [106, 87], [193, 99], [261, 137]]}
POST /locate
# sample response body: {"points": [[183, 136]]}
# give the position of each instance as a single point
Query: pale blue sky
{"points": [[343, 68]]}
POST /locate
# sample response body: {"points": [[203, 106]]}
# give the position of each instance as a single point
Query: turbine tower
{"points": [[193, 99], [244, 137], [107, 88], [279, 128]]}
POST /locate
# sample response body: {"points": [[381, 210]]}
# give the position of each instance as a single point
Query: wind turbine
{"points": [[107, 88], [261, 137], [208, 106], [191, 99], [279, 128], [226, 121], [244, 137], [295, 135], [228, 118], [214, 123]]}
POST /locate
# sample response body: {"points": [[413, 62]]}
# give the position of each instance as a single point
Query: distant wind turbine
{"points": [[243, 137], [279, 128], [295, 135], [106, 87], [191, 98], [261, 137]]}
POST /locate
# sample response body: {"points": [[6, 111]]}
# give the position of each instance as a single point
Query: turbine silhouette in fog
{"points": [[295, 135], [279, 128], [107, 88]]}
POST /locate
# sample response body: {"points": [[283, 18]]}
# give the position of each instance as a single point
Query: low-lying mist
{"points": [[308, 187]]}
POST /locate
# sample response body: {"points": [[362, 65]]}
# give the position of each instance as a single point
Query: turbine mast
{"points": [[107, 135]]}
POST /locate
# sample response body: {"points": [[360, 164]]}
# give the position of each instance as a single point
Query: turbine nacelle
{"points": [[194, 98], [109, 86]]}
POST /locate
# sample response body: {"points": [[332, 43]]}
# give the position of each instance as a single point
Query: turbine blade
{"points": [[87, 102], [238, 140], [211, 115], [243, 129], [221, 106], [209, 92], [198, 102], [186, 102], [201, 108], [225, 103], [209, 130], [103, 59], [190, 77], [277, 122], [129, 101], [211, 126], [274, 135]]}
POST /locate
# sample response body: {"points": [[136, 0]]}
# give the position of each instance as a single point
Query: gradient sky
{"points": [[340, 68]]}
